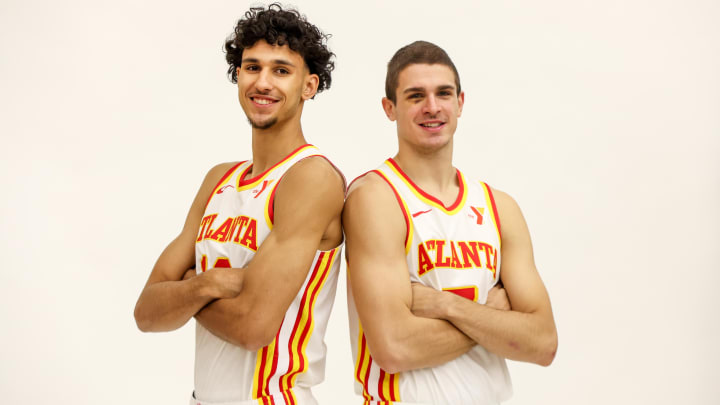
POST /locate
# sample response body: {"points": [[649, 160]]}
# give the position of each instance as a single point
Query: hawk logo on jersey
{"points": [[264, 186], [479, 211]]}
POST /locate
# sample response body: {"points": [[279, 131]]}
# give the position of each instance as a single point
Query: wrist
{"points": [[205, 285]]}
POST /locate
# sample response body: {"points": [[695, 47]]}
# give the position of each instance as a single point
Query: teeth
{"points": [[433, 125], [262, 101]]}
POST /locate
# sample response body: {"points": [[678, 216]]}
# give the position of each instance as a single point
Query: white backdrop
{"points": [[600, 118]]}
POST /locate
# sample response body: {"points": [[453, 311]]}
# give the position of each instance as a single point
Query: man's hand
{"points": [[224, 282], [498, 299], [426, 301], [429, 302]]}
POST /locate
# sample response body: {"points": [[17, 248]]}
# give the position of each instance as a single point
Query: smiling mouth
{"points": [[262, 100], [432, 124]]}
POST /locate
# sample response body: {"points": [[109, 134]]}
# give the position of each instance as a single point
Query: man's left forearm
{"points": [[515, 335]]}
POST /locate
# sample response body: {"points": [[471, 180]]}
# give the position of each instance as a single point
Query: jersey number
{"points": [[223, 262]]}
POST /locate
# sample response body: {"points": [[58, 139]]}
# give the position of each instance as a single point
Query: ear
{"points": [[389, 108], [310, 86], [237, 71], [461, 101]]}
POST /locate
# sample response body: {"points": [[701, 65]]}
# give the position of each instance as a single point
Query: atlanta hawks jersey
{"points": [[456, 249], [238, 217]]}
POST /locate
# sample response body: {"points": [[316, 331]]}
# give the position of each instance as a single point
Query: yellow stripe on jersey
{"points": [[300, 336], [363, 358], [263, 370], [269, 198], [259, 179], [406, 213], [412, 187], [493, 213]]}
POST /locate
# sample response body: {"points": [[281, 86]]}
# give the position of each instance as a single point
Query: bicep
{"points": [[377, 268], [306, 202], [519, 274], [179, 255]]}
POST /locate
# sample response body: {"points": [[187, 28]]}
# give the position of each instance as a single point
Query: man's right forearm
{"points": [[168, 305], [416, 342]]}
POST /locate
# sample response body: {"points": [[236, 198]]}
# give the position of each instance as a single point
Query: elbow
{"points": [[392, 358], [253, 337], [253, 341], [548, 349], [143, 322]]}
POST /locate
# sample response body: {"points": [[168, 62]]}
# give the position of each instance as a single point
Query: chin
{"points": [[262, 124]]}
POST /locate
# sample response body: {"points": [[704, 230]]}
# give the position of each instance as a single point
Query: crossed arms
{"points": [[410, 326], [245, 306]]}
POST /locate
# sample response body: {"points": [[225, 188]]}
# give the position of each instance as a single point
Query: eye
{"points": [[282, 71], [415, 95], [445, 93], [252, 68]]}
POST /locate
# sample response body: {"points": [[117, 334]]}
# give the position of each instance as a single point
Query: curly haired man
{"points": [[257, 261]]}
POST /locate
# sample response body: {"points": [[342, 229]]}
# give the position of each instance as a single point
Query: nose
{"points": [[264, 81], [431, 105]]}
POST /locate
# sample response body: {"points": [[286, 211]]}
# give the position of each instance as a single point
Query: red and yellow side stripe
{"points": [[427, 198], [388, 386], [267, 357]]}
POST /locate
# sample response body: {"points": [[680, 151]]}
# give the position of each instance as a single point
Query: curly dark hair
{"points": [[279, 27]]}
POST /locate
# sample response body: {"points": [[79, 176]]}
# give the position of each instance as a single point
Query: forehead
{"points": [[425, 76], [264, 52]]}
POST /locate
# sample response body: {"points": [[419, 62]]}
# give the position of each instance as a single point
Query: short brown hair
{"points": [[418, 52]]}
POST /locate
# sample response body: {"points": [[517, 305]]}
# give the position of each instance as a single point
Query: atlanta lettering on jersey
{"points": [[237, 226], [469, 251]]}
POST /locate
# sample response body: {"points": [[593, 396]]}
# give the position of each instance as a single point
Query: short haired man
{"points": [[430, 321], [264, 235]]}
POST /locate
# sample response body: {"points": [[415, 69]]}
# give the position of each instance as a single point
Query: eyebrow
{"points": [[274, 61], [422, 89]]}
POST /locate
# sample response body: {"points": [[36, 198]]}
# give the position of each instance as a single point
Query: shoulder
{"points": [[509, 213], [314, 174], [503, 200], [371, 195], [220, 170]]}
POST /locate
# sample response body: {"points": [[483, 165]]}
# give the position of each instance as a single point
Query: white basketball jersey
{"points": [[238, 217], [457, 249]]}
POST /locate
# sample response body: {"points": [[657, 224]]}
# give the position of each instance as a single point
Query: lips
{"points": [[432, 125], [263, 101]]}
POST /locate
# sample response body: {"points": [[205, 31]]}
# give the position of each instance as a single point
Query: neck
{"points": [[432, 171], [271, 145]]}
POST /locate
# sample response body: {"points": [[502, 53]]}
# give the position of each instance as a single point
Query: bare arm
{"points": [[308, 202], [380, 282], [167, 301], [527, 332]]}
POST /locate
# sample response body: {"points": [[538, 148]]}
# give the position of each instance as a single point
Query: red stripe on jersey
{"points": [[305, 334], [243, 182], [222, 179], [400, 202], [494, 208], [422, 192], [273, 369], [261, 374], [297, 323]]}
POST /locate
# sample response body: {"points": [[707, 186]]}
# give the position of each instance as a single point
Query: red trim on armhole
{"points": [[400, 203], [494, 207], [225, 176], [271, 203]]}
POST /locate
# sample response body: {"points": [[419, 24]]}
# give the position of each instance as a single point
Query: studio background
{"points": [[600, 118]]}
